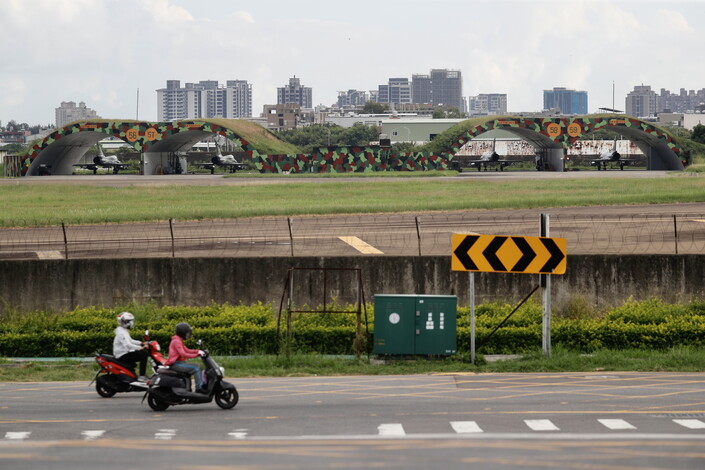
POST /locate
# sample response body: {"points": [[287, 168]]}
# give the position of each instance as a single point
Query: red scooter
{"points": [[116, 376]]}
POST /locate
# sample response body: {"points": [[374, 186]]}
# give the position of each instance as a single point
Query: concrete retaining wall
{"points": [[63, 285]]}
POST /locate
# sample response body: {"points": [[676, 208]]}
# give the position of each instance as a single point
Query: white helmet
{"points": [[126, 319]]}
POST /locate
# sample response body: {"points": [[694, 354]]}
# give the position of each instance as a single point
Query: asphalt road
{"points": [[489, 421]]}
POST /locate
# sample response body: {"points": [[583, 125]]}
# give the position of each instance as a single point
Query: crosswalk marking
{"points": [[465, 427], [391, 429], [690, 423], [541, 425], [92, 435], [615, 424], [165, 434], [397, 429]]}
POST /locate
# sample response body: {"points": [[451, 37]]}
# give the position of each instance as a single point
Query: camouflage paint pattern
{"points": [[562, 132], [349, 159], [140, 135], [566, 131]]}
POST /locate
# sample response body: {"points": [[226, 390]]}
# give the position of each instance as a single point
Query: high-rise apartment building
{"points": [[642, 102], [295, 93], [488, 104], [69, 112], [397, 90], [205, 99], [421, 89], [442, 87], [447, 88], [352, 98], [567, 101], [685, 101]]}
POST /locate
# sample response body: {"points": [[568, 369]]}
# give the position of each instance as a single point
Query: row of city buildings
{"points": [[420, 95]]}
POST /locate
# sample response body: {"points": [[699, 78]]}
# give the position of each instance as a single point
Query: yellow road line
{"points": [[361, 246]]}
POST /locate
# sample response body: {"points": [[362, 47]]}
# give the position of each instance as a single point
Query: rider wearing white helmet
{"points": [[127, 349]]}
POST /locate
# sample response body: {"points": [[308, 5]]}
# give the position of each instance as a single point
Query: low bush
{"points": [[252, 329]]}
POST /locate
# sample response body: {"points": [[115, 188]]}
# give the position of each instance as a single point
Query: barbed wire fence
{"points": [[426, 234]]}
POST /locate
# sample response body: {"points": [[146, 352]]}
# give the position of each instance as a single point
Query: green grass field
{"points": [[35, 205]]}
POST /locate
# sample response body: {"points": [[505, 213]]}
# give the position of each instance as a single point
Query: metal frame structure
{"points": [[361, 304]]}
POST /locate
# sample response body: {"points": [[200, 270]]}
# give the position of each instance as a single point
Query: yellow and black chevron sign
{"points": [[505, 254]]}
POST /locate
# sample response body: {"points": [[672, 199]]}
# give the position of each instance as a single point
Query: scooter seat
{"points": [[164, 370], [111, 358]]}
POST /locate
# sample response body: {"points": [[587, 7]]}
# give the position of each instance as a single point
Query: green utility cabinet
{"points": [[415, 324]]}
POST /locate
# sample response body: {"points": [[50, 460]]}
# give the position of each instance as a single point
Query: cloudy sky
{"points": [[102, 51]]}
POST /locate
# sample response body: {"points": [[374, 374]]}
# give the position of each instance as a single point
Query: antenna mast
{"points": [[137, 112]]}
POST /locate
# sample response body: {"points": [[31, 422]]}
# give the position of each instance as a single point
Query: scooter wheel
{"points": [[156, 404], [103, 390], [226, 399]]}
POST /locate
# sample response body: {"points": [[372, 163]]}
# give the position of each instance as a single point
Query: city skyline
{"points": [[101, 52]]}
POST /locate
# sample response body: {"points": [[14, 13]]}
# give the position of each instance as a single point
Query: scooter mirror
{"points": [[199, 342], [146, 332]]}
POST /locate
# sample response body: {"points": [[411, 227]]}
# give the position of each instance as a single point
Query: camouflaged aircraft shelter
{"points": [[552, 136], [161, 142]]}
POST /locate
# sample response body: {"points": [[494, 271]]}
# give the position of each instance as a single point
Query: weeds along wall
{"points": [[597, 280]]}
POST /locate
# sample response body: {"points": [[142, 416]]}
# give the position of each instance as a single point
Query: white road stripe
{"points": [[165, 434], [690, 423], [465, 427], [392, 429], [615, 424], [238, 434], [17, 436], [92, 435], [541, 425], [361, 246]]}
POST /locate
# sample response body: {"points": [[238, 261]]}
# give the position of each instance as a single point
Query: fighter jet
{"points": [[228, 162], [103, 161], [491, 159], [611, 156]]}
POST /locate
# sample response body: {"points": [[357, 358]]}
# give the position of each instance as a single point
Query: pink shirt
{"points": [[178, 351]]}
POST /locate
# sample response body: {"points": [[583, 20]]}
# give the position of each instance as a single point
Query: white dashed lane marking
{"points": [[615, 424], [465, 427], [165, 434], [391, 429], [690, 423], [541, 425], [92, 435]]}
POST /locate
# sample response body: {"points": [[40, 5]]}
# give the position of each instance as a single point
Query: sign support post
{"points": [[546, 283], [511, 254], [472, 317]]}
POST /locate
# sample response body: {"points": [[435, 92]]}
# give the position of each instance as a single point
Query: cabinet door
{"points": [[436, 326], [395, 320]]}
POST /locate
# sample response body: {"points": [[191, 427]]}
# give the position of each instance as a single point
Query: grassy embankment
{"points": [[34, 205]]}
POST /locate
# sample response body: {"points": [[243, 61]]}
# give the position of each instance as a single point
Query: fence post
{"points": [[171, 229], [291, 236], [675, 232], [418, 233], [66, 241]]}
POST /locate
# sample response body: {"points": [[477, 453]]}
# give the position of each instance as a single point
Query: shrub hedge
{"points": [[252, 329]]}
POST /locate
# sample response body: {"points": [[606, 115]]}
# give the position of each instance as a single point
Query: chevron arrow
{"points": [[528, 254], [491, 253], [461, 252], [556, 255]]}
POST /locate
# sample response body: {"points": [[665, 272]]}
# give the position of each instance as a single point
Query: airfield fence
{"points": [[364, 235]]}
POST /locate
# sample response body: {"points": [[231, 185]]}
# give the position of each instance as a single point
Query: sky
{"points": [[102, 51]]}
